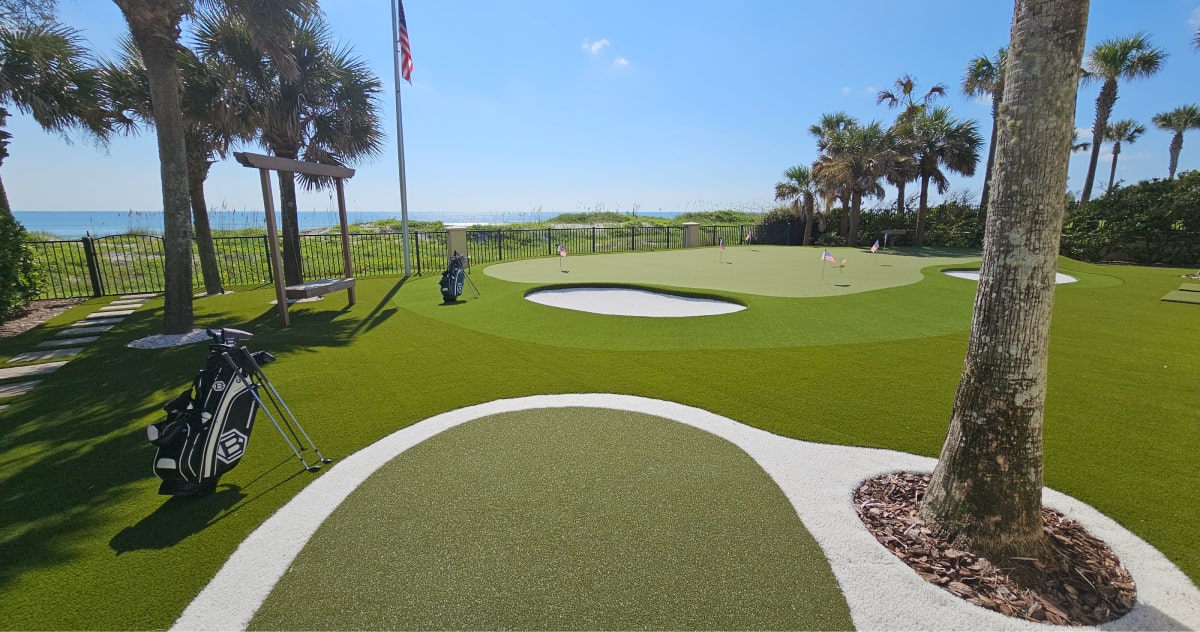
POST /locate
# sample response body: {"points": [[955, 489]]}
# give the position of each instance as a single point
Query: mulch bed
{"points": [[1081, 582], [35, 314]]}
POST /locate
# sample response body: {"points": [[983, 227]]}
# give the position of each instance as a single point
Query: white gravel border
{"points": [[973, 275], [615, 301], [882, 592], [163, 341]]}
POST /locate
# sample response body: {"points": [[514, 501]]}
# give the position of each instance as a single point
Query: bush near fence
{"points": [[1152, 222]]}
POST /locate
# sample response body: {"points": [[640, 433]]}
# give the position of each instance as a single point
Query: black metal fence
{"points": [[125, 264]]}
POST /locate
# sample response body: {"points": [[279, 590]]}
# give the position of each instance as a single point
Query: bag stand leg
{"points": [[280, 409]]}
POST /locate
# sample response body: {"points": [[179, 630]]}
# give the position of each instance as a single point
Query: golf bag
{"points": [[453, 278], [207, 427]]}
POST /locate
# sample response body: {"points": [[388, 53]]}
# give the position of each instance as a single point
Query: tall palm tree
{"points": [[904, 97], [1123, 131], [328, 113], [45, 72], [213, 119], [797, 186], [986, 491], [942, 141], [862, 156], [828, 180], [1128, 58], [155, 27], [1179, 120], [904, 167], [984, 77]]}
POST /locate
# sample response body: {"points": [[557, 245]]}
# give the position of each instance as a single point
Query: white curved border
{"points": [[973, 275], [617, 301], [882, 592]]}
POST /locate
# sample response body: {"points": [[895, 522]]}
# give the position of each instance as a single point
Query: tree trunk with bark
{"points": [[987, 174], [922, 207], [900, 196], [198, 166], [855, 209], [1104, 106], [293, 266], [154, 25], [809, 203], [1176, 147], [1112, 172], [986, 491]]}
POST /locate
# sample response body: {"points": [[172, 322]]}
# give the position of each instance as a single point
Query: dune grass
{"points": [[562, 519], [82, 523]]}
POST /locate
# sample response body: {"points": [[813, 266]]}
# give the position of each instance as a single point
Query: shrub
{"points": [[1152, 222], [19, 281]]}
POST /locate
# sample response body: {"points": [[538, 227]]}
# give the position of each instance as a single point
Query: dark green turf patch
{"points": [[1190, 287], [565, 519]]}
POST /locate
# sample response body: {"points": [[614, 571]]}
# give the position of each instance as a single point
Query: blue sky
{"points": [[520, 106]]}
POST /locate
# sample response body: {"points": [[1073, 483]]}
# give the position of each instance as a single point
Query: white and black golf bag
{"points": [[453, 278], [207, 428]]}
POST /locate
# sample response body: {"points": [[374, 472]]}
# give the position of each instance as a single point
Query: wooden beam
{"points": [[273, 243], [259, 161], [347, 265]]}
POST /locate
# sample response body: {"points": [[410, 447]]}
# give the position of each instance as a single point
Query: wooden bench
{"points": [[314, 289]]}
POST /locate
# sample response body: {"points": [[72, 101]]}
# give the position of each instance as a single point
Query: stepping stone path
{"points": [[67, 343]]}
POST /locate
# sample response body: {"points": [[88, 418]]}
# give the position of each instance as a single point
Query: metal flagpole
{"points": [[400, 142]]}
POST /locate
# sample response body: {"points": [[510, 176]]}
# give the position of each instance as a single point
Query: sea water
{"points": [[76, 224]]}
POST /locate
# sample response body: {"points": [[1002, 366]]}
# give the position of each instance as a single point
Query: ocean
{"points": [[76, 224]]}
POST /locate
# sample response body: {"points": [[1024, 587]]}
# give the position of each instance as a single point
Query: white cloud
{"points": [[621, 61], [1194, 18], [871, 90], [595, 47], [845, 89]]}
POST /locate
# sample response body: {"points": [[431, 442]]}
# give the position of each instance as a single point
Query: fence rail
{"points": [[124, 264]]}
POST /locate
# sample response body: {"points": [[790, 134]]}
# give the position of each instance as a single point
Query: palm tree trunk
{"points": [[153, 26], [922, 207], [5, 209], [1112, 172], [809, 202], [900, 197], [987, 174], [855, 207], [198, 166], [1176, 147], [986, 491], [293, 267], [1104, 106]]}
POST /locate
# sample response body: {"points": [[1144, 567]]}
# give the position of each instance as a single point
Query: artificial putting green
{"points": [[82, 524], [564, 519]]}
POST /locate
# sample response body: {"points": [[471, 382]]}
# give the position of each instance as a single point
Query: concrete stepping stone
{"points": [[144, 295], [118, 308], [112, 312], [88, 322], [12, 372], [20, 388], [66, 342], [128, 301], [48, 354], [78, 329]]}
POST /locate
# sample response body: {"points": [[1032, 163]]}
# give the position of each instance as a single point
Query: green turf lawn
{"points": [[82, 524], [563, 519]]}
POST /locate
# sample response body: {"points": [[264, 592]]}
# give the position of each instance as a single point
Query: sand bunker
{"points": [[627, 302], [1059, 277]]}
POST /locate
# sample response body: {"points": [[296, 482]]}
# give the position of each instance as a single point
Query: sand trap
{"points": [[1059, 277], [626, 302]]}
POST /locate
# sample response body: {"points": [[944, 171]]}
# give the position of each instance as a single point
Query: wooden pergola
{"points": [[267, 164]]}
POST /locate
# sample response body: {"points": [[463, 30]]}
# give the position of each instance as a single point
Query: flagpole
{"points": [[400, 143]]}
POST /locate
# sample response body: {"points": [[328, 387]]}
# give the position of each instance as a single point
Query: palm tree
{"points": [[213, 119], [798, 185], [984, 77], [1121, 58], [44, 73], [26, 12], [860, 156], [942, 141], [986, 491], [905, 97], [830, 182], [904, 164], [328, 113], [1179, 120], [1123, 131], [155, 27]]}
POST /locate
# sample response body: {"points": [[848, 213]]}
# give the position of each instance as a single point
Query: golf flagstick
{"points": [[562, 256], [722, 250]]}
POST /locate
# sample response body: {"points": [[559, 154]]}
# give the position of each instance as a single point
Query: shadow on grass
{"points": [[930, 251], [176, 519]]}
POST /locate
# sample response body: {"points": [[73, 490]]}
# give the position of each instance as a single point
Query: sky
{"points": [[533, 107]]}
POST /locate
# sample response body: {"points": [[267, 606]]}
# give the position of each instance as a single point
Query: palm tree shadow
{"points": [[176, 519]]}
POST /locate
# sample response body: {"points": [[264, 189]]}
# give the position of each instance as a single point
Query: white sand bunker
{"points": [[1059, 277], [626, 302]]}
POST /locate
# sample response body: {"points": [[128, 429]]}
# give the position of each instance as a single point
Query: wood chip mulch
{"points": [[1080, 583], [35, 314]]}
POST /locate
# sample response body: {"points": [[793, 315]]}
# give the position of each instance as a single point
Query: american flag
{"points": [[828, 257], [875, 246], [747, 236], [406, 62], [722, 243], [562, 250]]}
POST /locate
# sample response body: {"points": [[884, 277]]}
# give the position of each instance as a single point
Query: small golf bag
{"points": [[207, 427], [453, 278]]}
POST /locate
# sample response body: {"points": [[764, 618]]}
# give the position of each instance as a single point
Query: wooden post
{"points": [[273, 240], [348, 266]]}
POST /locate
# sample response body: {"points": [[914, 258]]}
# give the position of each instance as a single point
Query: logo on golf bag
{"points": [[230, 446], [218, 386]]}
